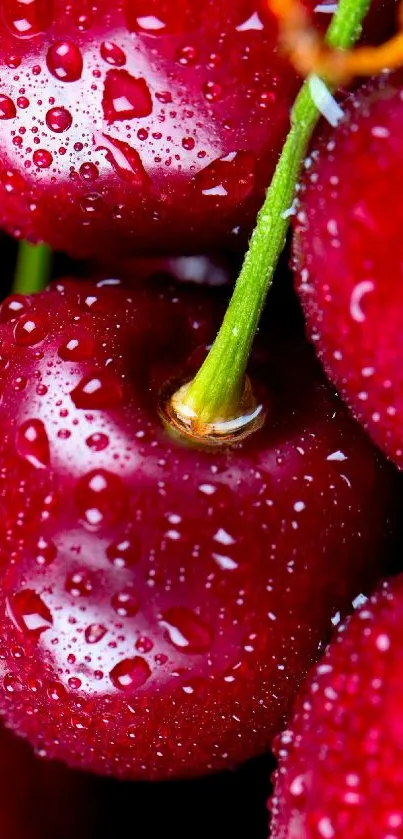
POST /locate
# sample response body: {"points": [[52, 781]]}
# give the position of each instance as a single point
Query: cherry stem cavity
{"points": [[33, 268], [216, 396]]}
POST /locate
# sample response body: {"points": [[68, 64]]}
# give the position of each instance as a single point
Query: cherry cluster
{"points": [[163, 598]]}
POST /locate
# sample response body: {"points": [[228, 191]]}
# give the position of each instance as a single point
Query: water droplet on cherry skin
{"points": [[186, 631], [94, 633], [79, 348], [42, 158], [13, 307], [124, 159], [130, 674], [58, 120], [125, 97], [64, 61], [99, 390], [29, 330], [29, 613], [101, 498], [161, 17], [112, 54], [7, 107], [27, 18], [32, 443]]}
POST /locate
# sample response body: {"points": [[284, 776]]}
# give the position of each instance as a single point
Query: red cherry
{"points": [[126, 124], [41, 799], [167, 600], [341, 759], [349, 258]]}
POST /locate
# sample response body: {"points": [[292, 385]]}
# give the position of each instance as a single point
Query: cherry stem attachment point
{"points": [[33, 268], [215, 396]]}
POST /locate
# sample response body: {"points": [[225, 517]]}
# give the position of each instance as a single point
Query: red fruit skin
{"points": [[341, 759], [166, 600], [348, 256], [42, 799], [127, 124]]}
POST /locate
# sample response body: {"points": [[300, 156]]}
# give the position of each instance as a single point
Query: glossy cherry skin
{"points": [[126, 124], [341, 759], [166, 600], [348, 253]]}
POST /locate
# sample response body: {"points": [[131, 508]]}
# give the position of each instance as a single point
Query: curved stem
{"points": [[32, 271], [216, 391]]}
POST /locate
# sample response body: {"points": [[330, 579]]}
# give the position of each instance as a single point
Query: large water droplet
{"points": [[124, 553], [42, 158], [94, 633], [97, 391], [13, 307], [231, 177], [79, 584], [160, 17], [130, 674], [125, 603], [97, 442], [58, 119], [64, 61], [79, 348], [186, 631], [28, 612], [7, 107], [125, 97], [101, 498], [125, 160], [30, 330], [31, 443], [46, 551], [112, 54], [27, 18]]}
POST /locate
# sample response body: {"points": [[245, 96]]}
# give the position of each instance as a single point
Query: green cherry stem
{"points": [[219, 394], [32, 271]]}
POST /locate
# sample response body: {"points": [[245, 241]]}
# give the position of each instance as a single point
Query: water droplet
{"points": [[169, 17], [58, 119], [188, 143], [7, 107], [23, 102], [88, 171], [130, 674], [74, 683], [125, 160], [144, 645], [125, 97], [186, 631], [31, 443], [94, 633], [79, 348], [112, 54], [64, 61], [46, 552], [57, 692], [27, 18], [101, 498], [212, 91], [97, 442], [125, 603], [13, 307], [29, 330], [231, 177], [29, 613], [42, 158], [186, 55], [123, 554], [97, 391], [79, 584]]}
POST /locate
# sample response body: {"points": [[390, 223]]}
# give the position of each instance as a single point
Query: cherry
{"points": [[348, 255], [127, 124], [166, 599], [340, 760], [41, 799]]}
